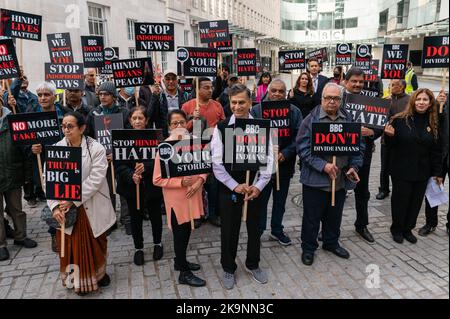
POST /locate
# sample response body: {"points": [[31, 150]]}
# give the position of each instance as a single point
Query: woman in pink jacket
{"points": [[177, 191]]}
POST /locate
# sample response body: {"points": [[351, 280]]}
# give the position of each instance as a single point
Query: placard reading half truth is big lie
{"points": [[63, 173]]}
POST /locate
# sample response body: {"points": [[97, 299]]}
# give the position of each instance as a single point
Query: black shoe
{"points": [[382, 195], [426, 230], [307, 258], [158, 252], [191, 266], [4, 254], [398, 238], [215, 220], [410, 237], [9, 232], [27, 243], [197, 223], [128, 229], [365, 234], [32, 203], [188, 278], [139, 258], [339, 251], [105, 281], [54, 244], [319, 237]]}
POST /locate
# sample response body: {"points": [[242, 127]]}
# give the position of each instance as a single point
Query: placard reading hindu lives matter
{"points": [[20, 25], [250, 144], [93, 51], [335, 139], [186, 85], [197, 61], [186, 157], [278, 112], [60, 48], [213, 31], [34, 128], [363, 56], [9, 66], [111, 54], [395, 57], [65, 76], [132, 72], [435, 52], [291, 60], [369, 111], [104, 124], [154, 36], [135, 146], [222, 46], [63, 174], [246, 62], [344, 54]]}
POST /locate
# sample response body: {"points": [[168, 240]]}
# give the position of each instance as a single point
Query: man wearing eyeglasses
{"points": [[316, 175]]}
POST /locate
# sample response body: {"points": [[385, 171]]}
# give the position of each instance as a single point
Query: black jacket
{"points": [[415, 155], [322, 81], [97, 111], [127, 188], [305, 102]]}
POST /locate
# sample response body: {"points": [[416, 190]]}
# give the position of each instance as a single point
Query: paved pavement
{"points": [[404, 271]]}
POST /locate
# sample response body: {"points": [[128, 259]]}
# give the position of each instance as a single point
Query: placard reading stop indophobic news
{"points": [[135, 146], [344, 54], [60, 48], [369, 111], [132, 72], [335, 139], [213, 31], [395, 57], [154, 36], [9, 66], [291, 60], [63, 174], [34, 128], [93, 51], [186, 157], [20, 25], [65, 76], [435, 52], [197, 61]]}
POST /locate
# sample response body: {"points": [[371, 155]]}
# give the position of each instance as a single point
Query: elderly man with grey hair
{"points": [[316, 173], [286, 156]]}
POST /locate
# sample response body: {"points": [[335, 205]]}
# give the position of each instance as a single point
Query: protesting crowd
{"points": [[113, 158]]}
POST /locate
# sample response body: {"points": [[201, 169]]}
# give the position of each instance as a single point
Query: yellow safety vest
{"points": [[408, 78]]}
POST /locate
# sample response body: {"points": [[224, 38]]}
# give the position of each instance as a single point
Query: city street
{"points": [[417, 271]]}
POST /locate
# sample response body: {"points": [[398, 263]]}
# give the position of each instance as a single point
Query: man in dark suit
{"points": [[319, 81]]}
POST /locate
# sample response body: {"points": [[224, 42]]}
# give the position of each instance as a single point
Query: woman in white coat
{"points": [[85, 242]]}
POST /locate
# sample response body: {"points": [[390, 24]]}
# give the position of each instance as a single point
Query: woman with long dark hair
{"points": [[302, 95], [263, 86], [414, 142]]}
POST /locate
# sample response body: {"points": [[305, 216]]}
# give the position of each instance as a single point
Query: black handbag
{"points": [[71, 217]]}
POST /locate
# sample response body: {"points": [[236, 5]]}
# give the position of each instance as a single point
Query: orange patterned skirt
{"points": [[84, 262]]}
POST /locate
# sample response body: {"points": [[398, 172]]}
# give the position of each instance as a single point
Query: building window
{"points": [[97, 20], [130, 29], [325, 21], [195, 39], [312, 25], [351, 23], [186, 37], [339, 24], [164, 61], [383, 19], [132, 53], [195, 4], [400, 8]]}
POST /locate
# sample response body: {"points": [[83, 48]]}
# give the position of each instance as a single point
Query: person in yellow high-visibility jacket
{"points": [[411, 80]]}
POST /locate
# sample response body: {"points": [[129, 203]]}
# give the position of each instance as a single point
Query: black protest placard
{"points": [[246, 62], [363, 56], [371, 75], [258, 61], [320, 54], [344, 54], [335, 139], [291, 60], [111, 54], [395, 57], [369, 111], [103, 125], [20, 25], [135, 146], [9, 66], [279, 114], [197, 61], [63, 174], [132, 72], [186, 157], [213, 31], [435, 52], [154, 36], [222, 46], [34, 128], [60, 48], [65, 76], [93, 51], [250, 144], [186, 85]]}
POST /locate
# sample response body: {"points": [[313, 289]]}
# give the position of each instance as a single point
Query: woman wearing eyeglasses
{"points": [[177, 191], [130, 175], [85, 242]]}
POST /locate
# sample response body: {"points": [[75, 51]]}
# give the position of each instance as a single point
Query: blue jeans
{"points": [[279, 205]]}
